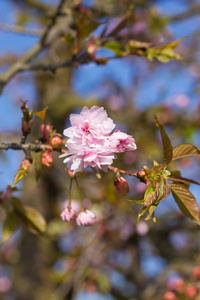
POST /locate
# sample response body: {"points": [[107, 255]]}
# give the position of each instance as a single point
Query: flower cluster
{"points": [[91, 142], [84, 218]]}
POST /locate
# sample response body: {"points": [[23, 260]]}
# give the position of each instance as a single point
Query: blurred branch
{"points": [[19, 29], [194, 10], [46, 40], [44, 8]]}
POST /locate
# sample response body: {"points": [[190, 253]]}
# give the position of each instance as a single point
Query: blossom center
{"points": [[85, 127]]}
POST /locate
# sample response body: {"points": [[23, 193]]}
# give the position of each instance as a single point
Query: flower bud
{"points": [[56, 142], [141, 174], [121, 186], [68, 214], [196, 272], [85, 218], [71, 174], [47, 158], [170, 296], [191, 291], [45, 132], [25, 166]]}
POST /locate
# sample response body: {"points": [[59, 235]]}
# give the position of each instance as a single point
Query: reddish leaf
{"points": [[183, 150], [186, 201], [167, 147]]}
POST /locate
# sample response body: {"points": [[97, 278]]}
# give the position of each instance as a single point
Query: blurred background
{"points": [[117, 258]]}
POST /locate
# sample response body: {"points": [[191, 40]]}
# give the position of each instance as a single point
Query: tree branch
{"points": [[30, 146]]}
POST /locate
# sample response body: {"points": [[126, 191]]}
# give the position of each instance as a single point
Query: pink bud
{"points": [[85, 218], [25, 166], [47, 158], [56, 142], [196, 272], [45, 131], [170, 296], [71, 174], [68, 214], [121, 186], [191, 291]]}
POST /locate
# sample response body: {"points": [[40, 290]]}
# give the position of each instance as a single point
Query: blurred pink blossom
{"points": [[85, 218], [5, 284]]}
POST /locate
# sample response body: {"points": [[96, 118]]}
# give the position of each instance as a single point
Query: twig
{"points": [[116, 170], [25, 147], [20, 29]]}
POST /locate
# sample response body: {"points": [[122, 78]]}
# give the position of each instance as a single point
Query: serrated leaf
{"points": [[136, 201], [10, 226], [167, 147], [115, 46], [175, 173], [184, 150], [41, 114], [31, 218], [182, 179], [186, 201]]}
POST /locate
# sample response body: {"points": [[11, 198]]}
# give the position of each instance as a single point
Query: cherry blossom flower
{"points": [[91, 125], [68, 214], [121, 142], [91, 142], [85, 218]]}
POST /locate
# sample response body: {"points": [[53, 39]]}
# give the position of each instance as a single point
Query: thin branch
{"points": [[25, 147], [116, 170], [20, 29], [20, 65]]}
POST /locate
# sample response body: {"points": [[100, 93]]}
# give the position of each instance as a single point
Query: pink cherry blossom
{"points": [[121, 142], [85, 218], [91, 143], [90, 126], [68, 214]]}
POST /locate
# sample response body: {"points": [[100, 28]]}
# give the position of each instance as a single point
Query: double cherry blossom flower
{"points": [[92, 142]]}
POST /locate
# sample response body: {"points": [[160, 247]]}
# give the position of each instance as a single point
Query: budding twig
{"points": [[116, 170]]}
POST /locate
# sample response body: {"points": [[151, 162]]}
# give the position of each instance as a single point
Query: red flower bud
{"points": [[47, 158], [71, 173], [56, 142], [45, 131], [170, 296], [141, 174], [191, 291], [196, 272], [121, 186], [25, 166]]}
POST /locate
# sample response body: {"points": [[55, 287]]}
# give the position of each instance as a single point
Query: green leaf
{"points": [[10, 226], [183, 150], [85, 26], [186, 201], [167, 147], [41, 114], [115, 47], [31, 218], [136, 201], [37, 163]]}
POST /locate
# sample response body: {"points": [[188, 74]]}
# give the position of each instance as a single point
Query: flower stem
{"points": [[70, 193], [79, 195]]}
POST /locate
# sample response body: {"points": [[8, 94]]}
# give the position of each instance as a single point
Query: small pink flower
{"points": [[120, 142], [68, 214], [85, 218]]}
